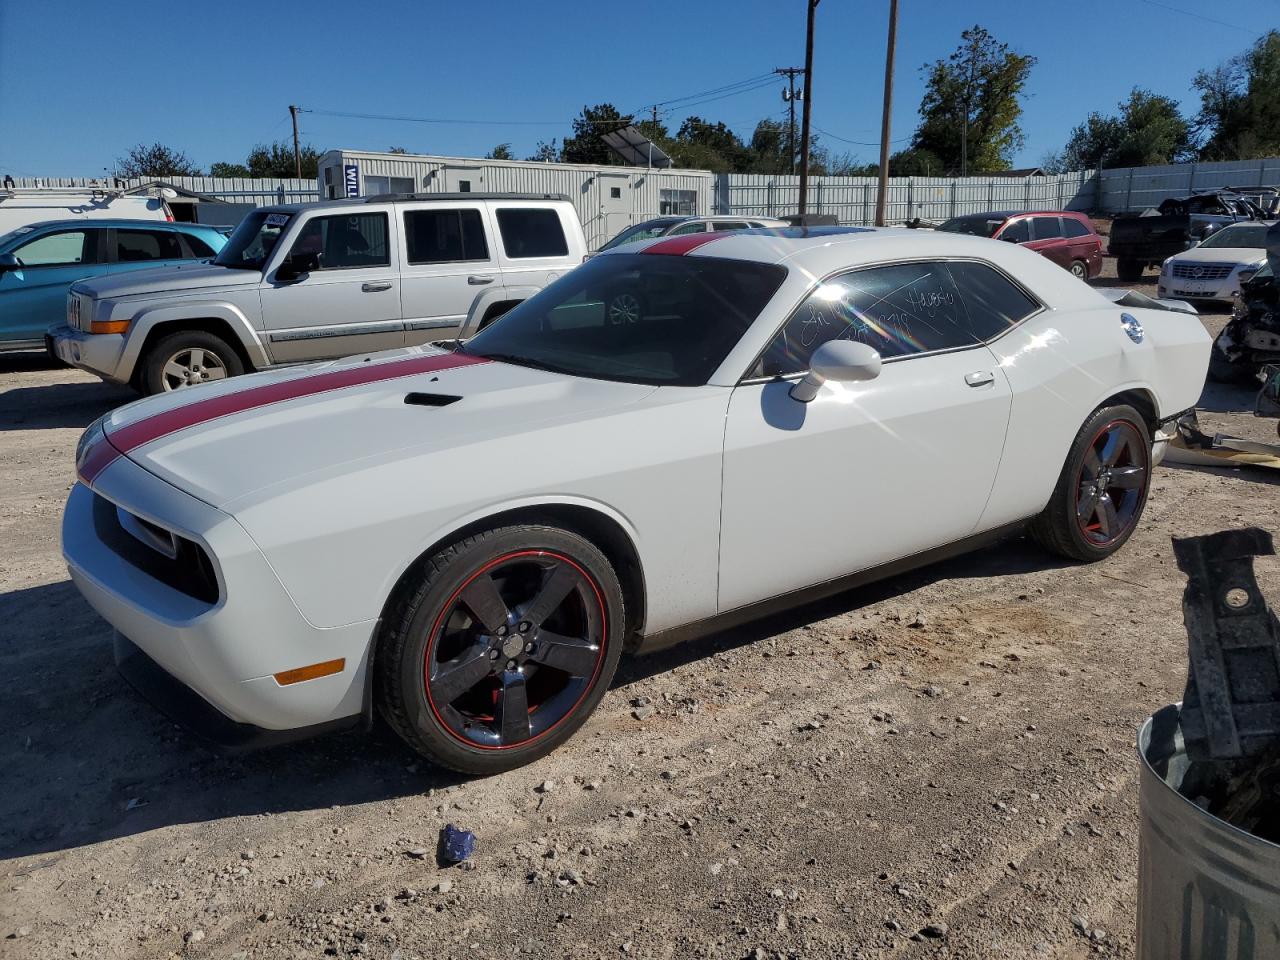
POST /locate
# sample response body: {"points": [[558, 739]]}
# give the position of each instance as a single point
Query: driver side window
{"points": [[900, 310], [345, 241]]}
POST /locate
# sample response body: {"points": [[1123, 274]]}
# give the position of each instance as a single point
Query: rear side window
{"points": [[134, 246], [900, 310], [342, 242], [1019, 231], [57, 249], [1046, 228], [531, 232], [992, 302], [196, 247], [1074, 228], [445, 236]]}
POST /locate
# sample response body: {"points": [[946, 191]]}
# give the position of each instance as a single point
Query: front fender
{"points": [[147, 319], [471, 326]]}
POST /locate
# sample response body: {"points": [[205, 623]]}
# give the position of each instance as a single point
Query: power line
{"points": [[1199, 16], [857, 143], [394, 119], [714, 90]]}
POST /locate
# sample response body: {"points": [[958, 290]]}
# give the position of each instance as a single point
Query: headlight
{"points": [[92, 436], [1246, 273]]}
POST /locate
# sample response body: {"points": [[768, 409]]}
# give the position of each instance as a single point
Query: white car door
{"points": [[865, 473], [346, 300], [448, 262]]}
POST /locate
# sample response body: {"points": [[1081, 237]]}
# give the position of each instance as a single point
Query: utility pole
{"points": [[808, 109], [790, 96], [297, 153], [882, 195]]}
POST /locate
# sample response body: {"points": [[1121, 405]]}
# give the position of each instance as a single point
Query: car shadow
{"points": [[87, 760], [1014, 556], [60, 405], [1228, 397]]}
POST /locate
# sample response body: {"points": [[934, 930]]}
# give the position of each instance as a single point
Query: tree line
{"points": [[969, 123]]}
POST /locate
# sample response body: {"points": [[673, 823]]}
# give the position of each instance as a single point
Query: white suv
{"points": [[321, 280]]}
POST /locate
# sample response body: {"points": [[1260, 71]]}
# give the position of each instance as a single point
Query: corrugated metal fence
{"points": [[1137, 188], [260, 191]]}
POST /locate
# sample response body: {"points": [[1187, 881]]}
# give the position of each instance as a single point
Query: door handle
{"points": [[375, 287], [479, 281], [979, 378]]}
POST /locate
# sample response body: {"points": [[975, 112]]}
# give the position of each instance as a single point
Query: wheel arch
{"points": [[221, 320], [608, 532], [1141, 399]]}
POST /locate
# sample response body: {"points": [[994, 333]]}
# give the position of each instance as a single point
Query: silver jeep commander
{"points": [[322, 280]]}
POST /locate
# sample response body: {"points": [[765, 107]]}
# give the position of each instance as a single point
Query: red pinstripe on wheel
{"points": [[120, 442]]}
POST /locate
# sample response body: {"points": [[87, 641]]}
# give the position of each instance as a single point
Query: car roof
{"points": [[411, 198], [118, 222], [1006, 214]]}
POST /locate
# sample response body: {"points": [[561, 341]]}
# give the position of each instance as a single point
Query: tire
{"points": [[1079, 269], [440, 677], [1129, 270], [624, 305], [203, 356], [1224, 369], [1077, 523]]}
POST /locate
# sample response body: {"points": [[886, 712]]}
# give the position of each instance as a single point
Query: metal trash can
{"points": [[1206, 890]]}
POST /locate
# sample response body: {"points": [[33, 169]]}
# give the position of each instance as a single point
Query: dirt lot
{"points": [[951, 750]]}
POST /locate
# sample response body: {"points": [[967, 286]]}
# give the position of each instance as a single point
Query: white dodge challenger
{"points": [[674, 437]]}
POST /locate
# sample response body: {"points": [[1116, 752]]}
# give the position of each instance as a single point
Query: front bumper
{"points": [[1177, 288], [225, 649], [98, 353]]}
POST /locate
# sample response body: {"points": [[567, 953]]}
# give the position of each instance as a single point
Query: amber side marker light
{"points": [[310, 673], [109, 326]]}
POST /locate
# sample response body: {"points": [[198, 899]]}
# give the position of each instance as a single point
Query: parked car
{"points": [[1251, 339], [39, 263], [322, 280], [469, 540], [21, 207], [679, 226], [1146, 239], [1214, 268], [1065, 237]]}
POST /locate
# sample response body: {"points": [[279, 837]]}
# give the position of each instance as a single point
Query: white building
{"points": [[608, 199]]}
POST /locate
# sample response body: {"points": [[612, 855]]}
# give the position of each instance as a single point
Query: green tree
{"points": [[545, 152], [224, 169], [1239, 115], [155, 160], [585, 146], [276, 160], [972, 103], [501, 152], [710, 146], [1147, 130]]}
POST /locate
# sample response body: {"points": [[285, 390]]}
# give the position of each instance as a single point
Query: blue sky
{"points": [[81, 81]]}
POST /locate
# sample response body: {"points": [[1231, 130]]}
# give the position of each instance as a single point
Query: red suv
{"points": [[1066, 238]]}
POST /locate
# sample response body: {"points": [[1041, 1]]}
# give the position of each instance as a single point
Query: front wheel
{"points": [[501, 647], [1079, 269], [1102, 489], [187, 359]]}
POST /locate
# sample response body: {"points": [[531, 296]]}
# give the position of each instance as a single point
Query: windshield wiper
{"points": [[528, 362]]}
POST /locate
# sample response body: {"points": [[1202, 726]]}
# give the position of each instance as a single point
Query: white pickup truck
{"points": [[321, 280]]}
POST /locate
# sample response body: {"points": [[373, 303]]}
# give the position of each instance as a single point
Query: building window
{"points": [[679, 203], [464, 186], [374, 186], [615, 193]]}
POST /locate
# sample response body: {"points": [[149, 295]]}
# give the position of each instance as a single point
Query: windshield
{"points": [[641, 231], [252, 242], [636, 318], [974, 226], [1243, 237]]}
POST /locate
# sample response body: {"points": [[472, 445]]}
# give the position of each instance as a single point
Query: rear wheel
{"points": [[186, 359], [1102, 489], [1129, 270], [1079, 269], [501, 647]]}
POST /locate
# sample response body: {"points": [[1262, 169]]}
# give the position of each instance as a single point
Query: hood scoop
{"points": [[430, 399]]}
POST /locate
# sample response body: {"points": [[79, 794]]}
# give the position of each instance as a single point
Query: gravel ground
{"points": [[940, 765]]}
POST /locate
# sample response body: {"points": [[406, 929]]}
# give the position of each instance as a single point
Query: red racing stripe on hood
{"points": [[679, 246], [121, 442]]}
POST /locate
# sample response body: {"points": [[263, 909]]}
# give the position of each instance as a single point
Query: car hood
{"points": [[1225, 255], [273, 432], [178, 278]]}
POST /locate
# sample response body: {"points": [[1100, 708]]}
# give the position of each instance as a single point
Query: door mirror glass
{"points": [[9, 261], [842, 361]]}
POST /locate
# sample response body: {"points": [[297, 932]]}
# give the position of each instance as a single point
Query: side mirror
{"points": [[843, 361], [9, 261], [296, 267], [1008, 238]]}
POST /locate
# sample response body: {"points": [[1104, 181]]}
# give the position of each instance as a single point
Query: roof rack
{"points": [[398, 197]]}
